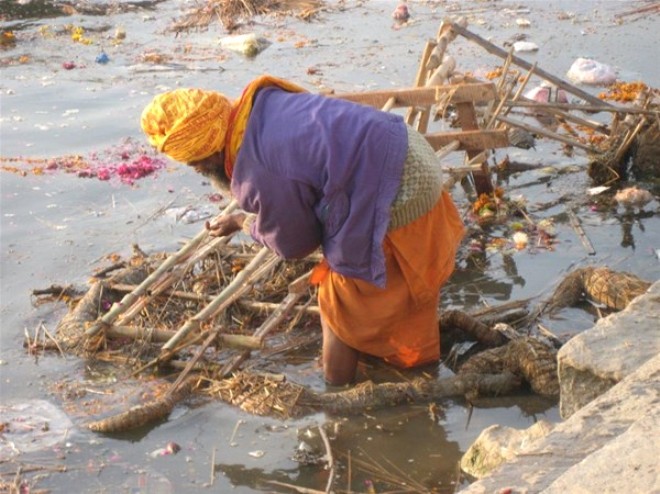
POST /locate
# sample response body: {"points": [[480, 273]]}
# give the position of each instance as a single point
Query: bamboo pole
{"points": [[248, 304], [123, 287], [297, 289], [498, 90], [157, 335], [420, 79], [128, 300], [496, 50], [389, 104], [548, 108], [498, 109], [238, 285], [585, 108], [167, 281], [516, 97], [547, 133], [448, 149], [575, 223], [270, 306]]}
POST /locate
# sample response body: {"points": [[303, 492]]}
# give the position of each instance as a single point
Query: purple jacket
{"points": [[321, 171]]}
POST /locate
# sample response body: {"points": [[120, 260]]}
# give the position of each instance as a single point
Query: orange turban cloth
{"points": [[187, 124]]}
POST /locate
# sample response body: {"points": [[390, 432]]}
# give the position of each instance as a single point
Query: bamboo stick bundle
{"points": [[173, 276], [297, 289], [128, 301], [259, 266]]}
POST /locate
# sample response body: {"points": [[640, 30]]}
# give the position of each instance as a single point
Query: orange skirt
{"points": [[400, 322]]}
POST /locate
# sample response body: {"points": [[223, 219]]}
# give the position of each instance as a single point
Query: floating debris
{"points": [[547, 93], [591, 72], [624, 92], [525, 46], [102, 58], [633, 197], [520, 240], [172, 448], [129, 162], [247, 44], [521, 138], [401, 13]]}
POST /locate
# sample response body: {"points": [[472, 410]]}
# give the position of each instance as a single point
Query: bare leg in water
{"points": [[339, 360]]}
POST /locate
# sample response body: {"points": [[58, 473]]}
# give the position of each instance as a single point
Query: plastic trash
{"points": [[587, 71], [546, 93], [247, 44], [525, 46], [102, 58], [632, 197], [401, 13]]}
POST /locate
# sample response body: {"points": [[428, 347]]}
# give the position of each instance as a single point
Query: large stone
{"points": [[595, 360], [601, 434], [497, 444], [633, 454]]}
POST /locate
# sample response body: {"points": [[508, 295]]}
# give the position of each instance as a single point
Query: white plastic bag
{"points": [[587, 71]]}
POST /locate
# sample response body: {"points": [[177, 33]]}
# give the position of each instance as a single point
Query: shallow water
{"points": [[58, 228]]}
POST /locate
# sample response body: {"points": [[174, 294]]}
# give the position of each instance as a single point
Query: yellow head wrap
{"points": [[187, 124]]}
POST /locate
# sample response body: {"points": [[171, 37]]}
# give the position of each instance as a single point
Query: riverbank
{"points": [[610, 439]]}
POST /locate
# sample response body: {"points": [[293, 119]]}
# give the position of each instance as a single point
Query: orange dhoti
{"points": [[400, 322]]}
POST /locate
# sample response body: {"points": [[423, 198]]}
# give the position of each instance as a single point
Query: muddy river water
{"points": [[57, 99]]}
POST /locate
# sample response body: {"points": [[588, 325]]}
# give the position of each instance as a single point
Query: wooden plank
{"points": [[472, 140], [423, 96]]}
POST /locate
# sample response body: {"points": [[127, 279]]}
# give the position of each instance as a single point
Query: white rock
{"points": [[497, 444]]}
